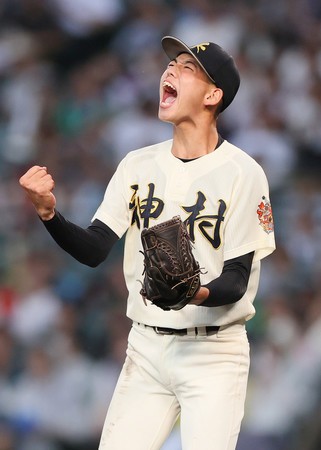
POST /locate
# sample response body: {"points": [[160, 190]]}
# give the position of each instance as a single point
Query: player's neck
{"points": [[193, 142]]}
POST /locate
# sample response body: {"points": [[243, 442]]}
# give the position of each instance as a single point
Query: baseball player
{"points": [[191, 362]]}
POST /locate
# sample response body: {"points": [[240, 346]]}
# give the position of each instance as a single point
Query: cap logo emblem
{"points": [[201, 46]]}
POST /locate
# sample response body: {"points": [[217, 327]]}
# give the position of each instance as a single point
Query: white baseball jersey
{"points": [[223, 197]]}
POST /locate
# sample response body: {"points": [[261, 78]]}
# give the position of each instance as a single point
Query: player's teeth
{"points": [[166, 83]]}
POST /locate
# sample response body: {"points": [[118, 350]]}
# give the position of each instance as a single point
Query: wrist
{"points": [[201, 296], [46, 215]]}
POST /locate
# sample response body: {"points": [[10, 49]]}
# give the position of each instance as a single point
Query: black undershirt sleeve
{"points": [[90, 246], [231, 285]]}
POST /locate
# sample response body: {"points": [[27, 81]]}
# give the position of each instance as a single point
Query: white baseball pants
{"points": [[202, 378]]}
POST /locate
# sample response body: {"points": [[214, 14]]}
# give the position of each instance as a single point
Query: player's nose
{"points": [[171, 71]]}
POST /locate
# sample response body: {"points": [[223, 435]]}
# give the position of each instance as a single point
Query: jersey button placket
{"points": [[181, 178], [177, 184]]}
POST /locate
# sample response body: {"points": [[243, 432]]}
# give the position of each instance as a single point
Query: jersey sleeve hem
{"points": [[261, 250], [110, 222]]}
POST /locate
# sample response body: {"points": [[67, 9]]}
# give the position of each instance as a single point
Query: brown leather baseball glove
{"points": [[171, 273]]}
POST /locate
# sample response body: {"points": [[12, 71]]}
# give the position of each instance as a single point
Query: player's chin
{"points": [[165, 114]]}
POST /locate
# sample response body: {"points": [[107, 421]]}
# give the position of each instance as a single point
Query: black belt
{"points": [[183, 331]]}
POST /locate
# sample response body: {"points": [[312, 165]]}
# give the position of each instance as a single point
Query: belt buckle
{"points": [[162, 331]]}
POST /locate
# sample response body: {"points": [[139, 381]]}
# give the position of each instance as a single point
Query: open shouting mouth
{"points": [[169, 95]]}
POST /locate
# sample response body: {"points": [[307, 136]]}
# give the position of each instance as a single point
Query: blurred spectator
{"points": [[36, 310], [135, 128], [22, 104], [80, 17], [215, 21]]}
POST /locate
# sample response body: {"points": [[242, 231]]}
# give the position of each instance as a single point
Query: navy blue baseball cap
{"points": [[219, 66]]}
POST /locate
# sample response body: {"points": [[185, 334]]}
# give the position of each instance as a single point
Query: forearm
{"points": [[89, 246], [230, 286]]}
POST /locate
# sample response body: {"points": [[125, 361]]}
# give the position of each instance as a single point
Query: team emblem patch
{"points": [[264, 213]]}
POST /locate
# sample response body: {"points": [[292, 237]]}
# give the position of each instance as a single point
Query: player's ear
{"points": [[213, 96]]}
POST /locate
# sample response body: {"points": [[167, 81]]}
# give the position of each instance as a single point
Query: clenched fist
{"points": [[38, 184]]}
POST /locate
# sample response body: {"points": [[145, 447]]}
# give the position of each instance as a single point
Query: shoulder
{"points": [[242, 161], [146, 153]]}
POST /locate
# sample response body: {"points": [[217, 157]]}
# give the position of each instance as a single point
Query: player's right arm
{"points": [[90, 245], [39, 184]]}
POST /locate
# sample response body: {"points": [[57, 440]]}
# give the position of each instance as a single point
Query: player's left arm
{"points": [[230, 286]]}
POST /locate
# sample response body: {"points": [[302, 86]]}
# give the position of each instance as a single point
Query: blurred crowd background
{"points": [[78, 90]]}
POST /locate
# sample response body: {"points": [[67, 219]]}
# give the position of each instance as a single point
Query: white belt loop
{"points": [[191, 331], [201, 331]]}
